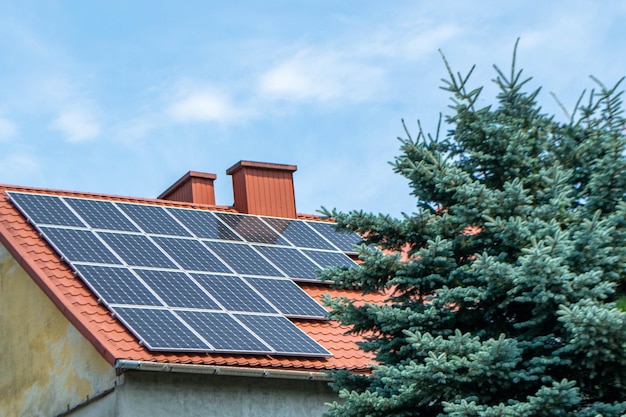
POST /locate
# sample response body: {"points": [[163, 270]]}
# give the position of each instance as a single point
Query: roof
{"points": [[114, 342]]}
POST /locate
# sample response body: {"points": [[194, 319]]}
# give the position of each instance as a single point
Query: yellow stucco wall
{"points": [[46, 365]]}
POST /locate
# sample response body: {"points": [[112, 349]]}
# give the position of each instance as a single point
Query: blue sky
{"points": [[125, 98]]}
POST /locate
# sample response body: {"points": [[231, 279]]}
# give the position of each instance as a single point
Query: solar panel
{"points": [[137, 250], [79, 245], [117, 285], [177, 289], [204, 224], [45, 209], [159, 329], [223, 331], [291, 261], [288, 297], [328, 259], [191, 254], [175, 276], [298, 233], [251, 228], [282, 335], [243, 259], [153, 219], [345, 241], [101, 214], [233, 293]]}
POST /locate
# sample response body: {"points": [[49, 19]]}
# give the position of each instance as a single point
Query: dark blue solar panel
{"points": [[204, 224], [328, 259], [154, 219], [137, 250], [46, 209], [191, 254], [160, 329], [345, 241], [185, 310], [298, 233], [233, 293], [290, 261], [177, 289], [243, 259], [288, 297], [282, 335], [223, 332], [79, 245], [101, 214], [117, 285], [252, 228]]}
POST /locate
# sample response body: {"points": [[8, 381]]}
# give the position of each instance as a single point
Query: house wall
{"points": [[46, 365], [159, 394]]}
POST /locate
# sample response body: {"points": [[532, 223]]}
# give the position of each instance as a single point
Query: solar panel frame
{"points": [[191, 254], [154, 219], [137, 250], [101, 214], [234, 293], [232, 332], [251, 228], [343, 241], [31, 205], [136, 319], [117, 285], [177, 289], [288, 297], [298, 233], [282, 335], [79, 245], [204, 224], [243, 259], [291, 261], [328, 259]]}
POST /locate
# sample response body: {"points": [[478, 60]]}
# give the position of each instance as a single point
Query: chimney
{"points": [[263, 188], [193, 187]]}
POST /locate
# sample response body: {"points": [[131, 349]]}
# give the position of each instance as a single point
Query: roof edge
{"points": [[116, 197], [147, 200], [129, 365], [31, 268]]}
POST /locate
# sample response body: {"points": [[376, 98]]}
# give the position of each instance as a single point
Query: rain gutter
{"points": [[122, 365]]}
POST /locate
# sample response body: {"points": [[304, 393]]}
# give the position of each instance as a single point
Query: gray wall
{"points": [[156, 394]]}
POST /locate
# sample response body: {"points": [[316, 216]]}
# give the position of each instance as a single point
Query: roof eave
{"points": [[129, 365]]}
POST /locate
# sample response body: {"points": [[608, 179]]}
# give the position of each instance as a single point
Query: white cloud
{"points": [[78, 125], [316, 75], [349, 70], [406, 41], [17, 166], [8, 129], [204, 106], [134, 129]]}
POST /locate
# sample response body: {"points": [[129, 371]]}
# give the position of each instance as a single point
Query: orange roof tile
{"points": [[77, 302]]}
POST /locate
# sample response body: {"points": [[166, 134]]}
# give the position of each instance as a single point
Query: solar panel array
{"points": [[194, 280]]}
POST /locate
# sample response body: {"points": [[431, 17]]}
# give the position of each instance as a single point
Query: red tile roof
{"points": [[114, 341]]}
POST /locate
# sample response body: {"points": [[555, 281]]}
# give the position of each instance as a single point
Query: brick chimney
{"points": [[263, 188], [193, 187]]}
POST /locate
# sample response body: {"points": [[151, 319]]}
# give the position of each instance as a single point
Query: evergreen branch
{"points": [[560, 105], [406, 130], [514, 58], [577, 105]]}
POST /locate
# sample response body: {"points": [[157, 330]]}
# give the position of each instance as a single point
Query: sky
{"points": [[124, 97]]}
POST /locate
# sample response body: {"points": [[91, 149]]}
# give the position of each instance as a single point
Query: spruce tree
{"points": [[501, 286]]}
